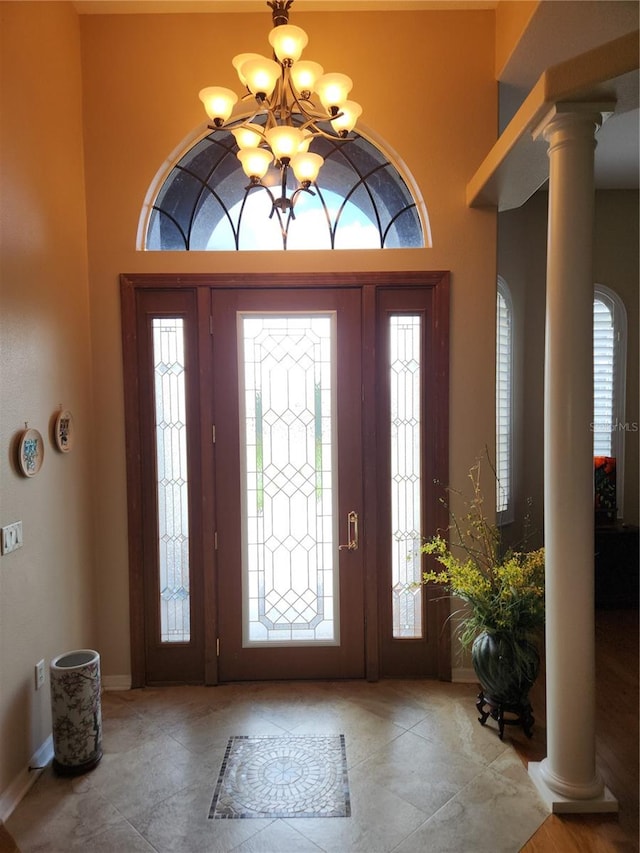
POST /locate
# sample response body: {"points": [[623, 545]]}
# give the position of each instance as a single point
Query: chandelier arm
{"points": [[262, 103], [256, 185], [281, 204], [295, 195], [311, 123], [279, 109], [310, 113], [318, 131], [241, 122]]}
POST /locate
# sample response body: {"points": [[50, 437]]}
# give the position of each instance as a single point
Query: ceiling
{"points": [[558, 30], [564, 29]]}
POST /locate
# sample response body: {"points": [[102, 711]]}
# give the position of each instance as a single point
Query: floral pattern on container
{"points": [[605, 489], [76, 711]]}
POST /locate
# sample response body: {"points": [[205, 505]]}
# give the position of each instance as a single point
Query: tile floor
{"points": [[423, 774]]}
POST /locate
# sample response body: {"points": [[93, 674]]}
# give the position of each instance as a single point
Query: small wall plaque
{"points": [[63, 431], [30, 452]]}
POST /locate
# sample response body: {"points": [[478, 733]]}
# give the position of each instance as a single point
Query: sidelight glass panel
{"points": [[405, 381], [287, 367], [171, 462]]}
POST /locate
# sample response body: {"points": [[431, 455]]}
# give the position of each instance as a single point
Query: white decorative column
{"points": [[568, 779]]}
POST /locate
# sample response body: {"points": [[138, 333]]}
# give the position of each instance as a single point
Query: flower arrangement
{"points": [[504, 589]]}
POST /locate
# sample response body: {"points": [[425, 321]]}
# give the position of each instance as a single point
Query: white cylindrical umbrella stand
{"points": [[76, 711]]}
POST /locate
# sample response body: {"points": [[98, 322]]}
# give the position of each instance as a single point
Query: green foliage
{"points": [[504, 590]]}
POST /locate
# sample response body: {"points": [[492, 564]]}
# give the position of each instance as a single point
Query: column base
{"points": [[605, 803]]}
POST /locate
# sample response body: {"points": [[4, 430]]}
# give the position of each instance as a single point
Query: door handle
{"points": [[352, 532]]}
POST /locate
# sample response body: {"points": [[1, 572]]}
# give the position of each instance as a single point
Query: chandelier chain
{"points": [[280, 11]]}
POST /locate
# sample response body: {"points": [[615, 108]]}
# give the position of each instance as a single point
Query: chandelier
{"points": [[295, 97]]}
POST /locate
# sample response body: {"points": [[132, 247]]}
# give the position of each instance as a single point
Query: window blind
{"points": [[609, 381], [604, 347], [504, 380]]}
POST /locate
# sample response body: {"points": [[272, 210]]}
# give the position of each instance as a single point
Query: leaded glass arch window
{"points": [[361, 200]]}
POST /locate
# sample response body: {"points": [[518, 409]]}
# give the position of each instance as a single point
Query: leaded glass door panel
{"points": [[170, 494], [287, 375]]}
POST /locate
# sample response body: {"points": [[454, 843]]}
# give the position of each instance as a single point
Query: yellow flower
{"points": [[504, 589]]}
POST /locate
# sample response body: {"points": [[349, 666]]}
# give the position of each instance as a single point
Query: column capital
{"points": [[565, 115]]}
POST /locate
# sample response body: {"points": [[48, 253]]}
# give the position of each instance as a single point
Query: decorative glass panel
{"points": [[171, 460], [361, 200], [289, 556], [406, 567]]}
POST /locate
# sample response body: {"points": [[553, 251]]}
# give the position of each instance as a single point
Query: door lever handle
{"points": [[352, 532]]}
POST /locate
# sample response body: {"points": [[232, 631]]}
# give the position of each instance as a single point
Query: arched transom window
{"points": [[361, 201]]}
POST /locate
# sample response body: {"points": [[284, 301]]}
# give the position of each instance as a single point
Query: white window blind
{"points": [[603, 377], [609, 381], [504, 403]]}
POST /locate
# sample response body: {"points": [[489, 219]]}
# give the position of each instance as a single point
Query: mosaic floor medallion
{"points": [[288, 776]]}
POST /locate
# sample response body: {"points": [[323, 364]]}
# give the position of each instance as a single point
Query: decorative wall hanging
{"points": [[30, 452], [63, 431]]}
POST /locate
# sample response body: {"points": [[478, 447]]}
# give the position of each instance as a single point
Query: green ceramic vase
{"points": [[506, 668]]}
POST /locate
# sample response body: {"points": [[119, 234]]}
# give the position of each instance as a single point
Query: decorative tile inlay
{"points": [[287, 776]]}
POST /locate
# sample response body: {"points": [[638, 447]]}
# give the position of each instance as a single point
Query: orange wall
{"points": [[46, 602], [429, 93]]}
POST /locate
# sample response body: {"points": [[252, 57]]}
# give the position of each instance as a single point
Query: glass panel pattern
{"points": [[171, 461], [405, 337], [290, 586], [362, 201]]}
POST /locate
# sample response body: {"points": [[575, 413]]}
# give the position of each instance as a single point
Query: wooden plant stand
{"points": [[517, 715]]}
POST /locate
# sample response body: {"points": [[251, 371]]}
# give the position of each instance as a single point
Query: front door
{"points": [[286, 450], [288, 462]]}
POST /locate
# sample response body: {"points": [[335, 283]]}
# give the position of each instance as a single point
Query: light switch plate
{"points": [[11, 537]]}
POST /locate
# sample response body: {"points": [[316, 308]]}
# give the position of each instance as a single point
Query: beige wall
{"points": [[46, 602], [140, 77], [522, 250], [616, 254]]}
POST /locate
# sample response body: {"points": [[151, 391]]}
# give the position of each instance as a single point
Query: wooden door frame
{"points": [[436, 282]]}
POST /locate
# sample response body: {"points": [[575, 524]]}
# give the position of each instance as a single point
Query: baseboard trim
{"points": [[464, 675], [12, 795], [116, 682]]}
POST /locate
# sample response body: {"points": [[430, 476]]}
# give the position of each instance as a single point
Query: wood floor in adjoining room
{"points": [[617, 746]]}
